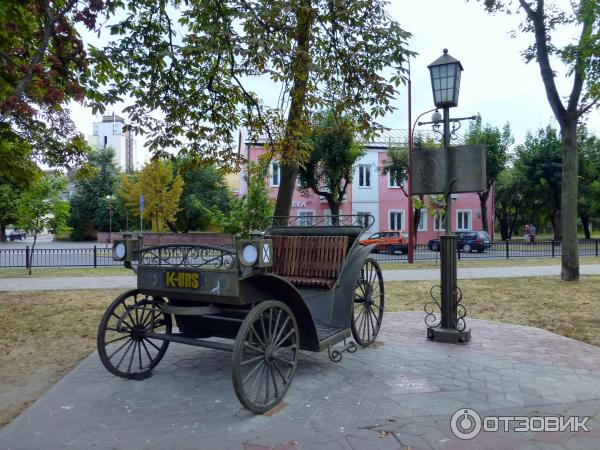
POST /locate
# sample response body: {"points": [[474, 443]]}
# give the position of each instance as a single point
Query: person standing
{"points": [[526, 234], [531, 233]]}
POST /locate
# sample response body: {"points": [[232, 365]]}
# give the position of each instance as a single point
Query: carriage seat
{"points": [[309, 261]]}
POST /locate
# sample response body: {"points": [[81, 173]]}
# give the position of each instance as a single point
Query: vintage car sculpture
{"points": [[298, 286]]}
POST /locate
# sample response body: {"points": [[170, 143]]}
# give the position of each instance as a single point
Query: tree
{"points": [[41, 208], [8, 206], [205, 195], [510, 205], [254, 210], [161, 189], [538, 169], [496, 152], [582, 59], [589, 169], [43, 68], [89, 210], [328, 169], [190, 88]]}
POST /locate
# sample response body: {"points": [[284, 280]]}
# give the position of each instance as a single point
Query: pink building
{"points": [[371, 192]]}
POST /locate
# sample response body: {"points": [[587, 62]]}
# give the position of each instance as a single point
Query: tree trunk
{"points": [[2, 232], [416, 220], [483, 198], [335, 211], [295, 122], [568, 213], [556, 225], [585, 221], [31, 253]]}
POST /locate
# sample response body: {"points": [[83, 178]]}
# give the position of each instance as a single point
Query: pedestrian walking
{"points": [[526, 234], [531, 233]]}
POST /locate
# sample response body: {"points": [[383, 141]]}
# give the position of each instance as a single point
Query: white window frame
{"points": [[438, 222], [367, 169], [402, 219], [423, 221], [306, 213], [469, 221], [272, 173], [391, 184]]}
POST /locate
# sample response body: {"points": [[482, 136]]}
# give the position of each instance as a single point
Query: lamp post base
{"points": [[448, 335]]}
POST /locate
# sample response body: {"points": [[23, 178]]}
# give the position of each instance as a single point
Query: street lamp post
{"points": [[445, 83], [109, 199]]}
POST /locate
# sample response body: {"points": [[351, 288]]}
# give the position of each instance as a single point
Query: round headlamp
{"points": [[119, 251], [249, 254]]}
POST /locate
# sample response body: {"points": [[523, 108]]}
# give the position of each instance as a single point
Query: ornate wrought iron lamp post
{"points": [[445, 82]]}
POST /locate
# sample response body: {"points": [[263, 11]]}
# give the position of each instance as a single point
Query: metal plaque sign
{"points": [[463, 167]]}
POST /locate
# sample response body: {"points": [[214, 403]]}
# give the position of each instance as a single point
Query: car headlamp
{"points": [[119, 251], [248, 254]]}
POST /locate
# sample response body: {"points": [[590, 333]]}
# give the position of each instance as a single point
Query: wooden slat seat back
{"points": [[309, 261]]}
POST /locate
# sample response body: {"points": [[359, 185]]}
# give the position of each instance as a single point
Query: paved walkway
{"points": [[399, 393], [129, 282]]}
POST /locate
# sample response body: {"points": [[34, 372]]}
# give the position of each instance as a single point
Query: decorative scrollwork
{"points": [[188, 256], [461, 311], [365, 221], [433, 308]]}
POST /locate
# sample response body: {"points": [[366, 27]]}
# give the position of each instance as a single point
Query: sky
{"points": [[496, 82]]}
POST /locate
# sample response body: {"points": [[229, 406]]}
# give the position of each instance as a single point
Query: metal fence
{"points": [[102, 257], [503, 249], [55, 257]]}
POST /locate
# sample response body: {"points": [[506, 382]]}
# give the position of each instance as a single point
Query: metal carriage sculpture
{"points": [[305, 283]]}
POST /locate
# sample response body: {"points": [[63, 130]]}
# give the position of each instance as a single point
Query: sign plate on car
{"points": [[183, 280]]}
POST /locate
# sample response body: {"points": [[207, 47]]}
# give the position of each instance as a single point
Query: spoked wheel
{"points": [[122, 345], [367, 309], [265, 355]]}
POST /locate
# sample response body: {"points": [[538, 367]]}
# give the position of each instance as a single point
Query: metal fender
{"points": [[344, 294], [268, 286]]}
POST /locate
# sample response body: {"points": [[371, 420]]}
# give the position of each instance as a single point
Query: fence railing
{"points": [[102, 257], [502, 249], [58, 257]]}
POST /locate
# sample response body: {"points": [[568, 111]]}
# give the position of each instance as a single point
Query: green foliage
{"points": [[396, 164], [511, 204], [89, 208], [254, 210], [589, 183], [538, 169], [43, 65], [496, 144], [315, 51], [205, 196], [42, 208], [497, 157], [8, 205], [162, 190], [328, 170]]}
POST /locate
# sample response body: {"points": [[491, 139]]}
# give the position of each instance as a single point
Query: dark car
{"points": [[467, 242], [15, 234]]}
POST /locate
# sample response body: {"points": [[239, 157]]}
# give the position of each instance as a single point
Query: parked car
{"points": [[467, 242], [388, 241], [15, 234]]}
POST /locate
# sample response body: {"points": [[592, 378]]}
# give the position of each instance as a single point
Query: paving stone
{"points": [[408, 386]]}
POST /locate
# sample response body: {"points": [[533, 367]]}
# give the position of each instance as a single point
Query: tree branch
{"points": [[23, 84], [542, 54], [579, 72]]}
